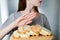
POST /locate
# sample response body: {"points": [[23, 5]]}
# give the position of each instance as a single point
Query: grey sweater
{"points": [[41, 20]]}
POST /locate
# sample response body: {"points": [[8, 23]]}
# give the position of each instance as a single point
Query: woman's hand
{"points": [[26, 19], [21, 21]]}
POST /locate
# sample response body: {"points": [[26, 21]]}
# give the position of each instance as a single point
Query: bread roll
{"points": [[20, 29], [16, 34], [27, 30], [45, 31], [35, 28]]}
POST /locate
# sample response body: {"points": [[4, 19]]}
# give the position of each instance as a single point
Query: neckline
{"points": [[38, 14]]}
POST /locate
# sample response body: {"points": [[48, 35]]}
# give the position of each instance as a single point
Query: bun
{"points": [[28, 31]]}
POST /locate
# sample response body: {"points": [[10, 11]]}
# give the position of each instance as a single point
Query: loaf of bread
{"points": [[34, 32]]}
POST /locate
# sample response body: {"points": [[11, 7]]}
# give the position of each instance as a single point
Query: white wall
{"points": [[0, 12], [4, 11], [4, 14]]}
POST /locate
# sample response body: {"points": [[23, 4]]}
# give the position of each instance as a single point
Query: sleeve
{"points": [[8, 21], [46, 23]]}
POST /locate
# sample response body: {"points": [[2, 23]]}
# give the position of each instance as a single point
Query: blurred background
{"points": [[49, 7]]}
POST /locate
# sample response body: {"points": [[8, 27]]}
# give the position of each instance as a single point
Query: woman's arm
{"points": [[7, 29], [23, 20]]}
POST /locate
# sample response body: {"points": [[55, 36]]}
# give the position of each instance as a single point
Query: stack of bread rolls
{"points": [[33, 32]]}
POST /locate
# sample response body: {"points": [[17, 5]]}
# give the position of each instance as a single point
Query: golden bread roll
{"points": [[44, 31], [27, 28], [24, 35], [16, 34], [33, 32], [35, 28], [20, 29]]}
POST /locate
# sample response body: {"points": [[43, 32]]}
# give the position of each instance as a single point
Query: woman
{"points": [[27, 13]]}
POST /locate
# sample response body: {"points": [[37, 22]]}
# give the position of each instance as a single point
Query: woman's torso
{"points": [[39, 20]]}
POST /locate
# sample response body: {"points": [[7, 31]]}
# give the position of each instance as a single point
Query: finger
{"points": [[29, 19], [29, 16], [22, 17], [28, 22], [32, 17], [26, 14], [22, 23]]}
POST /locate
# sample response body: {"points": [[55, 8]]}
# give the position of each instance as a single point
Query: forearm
{"points": [[7, 29], [19, 22]]}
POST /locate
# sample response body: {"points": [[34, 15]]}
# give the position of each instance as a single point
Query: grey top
{"points": [[41, 20]]}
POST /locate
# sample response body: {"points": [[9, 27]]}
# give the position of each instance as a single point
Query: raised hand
{"points": [[26, 19]]}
